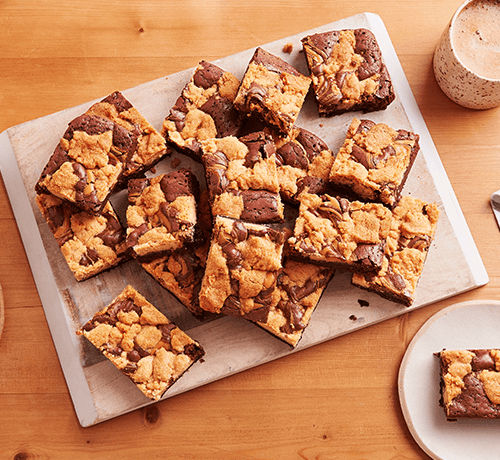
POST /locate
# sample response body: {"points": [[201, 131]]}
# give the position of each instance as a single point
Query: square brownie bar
{"points": [[242, 269], [181, 272], [142, 343], [273, 89], [304, 163], [374, 162], [300, 286], [135, 142], [340, 233], [242, 179], [203, 110], [90, 244], [161, 215], [84, 168], [412, 231], [347, 72], [470, 383]]}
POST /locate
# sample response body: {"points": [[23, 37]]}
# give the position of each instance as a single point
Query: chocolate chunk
{"points": [[118, 100], [482, 360], [227, 119], [207, 76], [89, 124], [366, 46], [260, 206]]}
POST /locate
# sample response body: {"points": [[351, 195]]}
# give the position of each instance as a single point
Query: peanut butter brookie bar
{"points": [[161, 215], [89, 243], [142, 343], [347, 71], [84, 168], [374, 162], [137, 144], [272, 89], [412, 231], [300, 286], [181, 272], [242, 269], [204, 110], [242, 179], [470, 383], [303, 163], [339, 233]]}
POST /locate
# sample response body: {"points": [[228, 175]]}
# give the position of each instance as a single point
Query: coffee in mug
{"points": [[467, 58]]}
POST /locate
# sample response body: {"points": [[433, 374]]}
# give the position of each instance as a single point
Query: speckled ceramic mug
{"points": [[467, 57]]}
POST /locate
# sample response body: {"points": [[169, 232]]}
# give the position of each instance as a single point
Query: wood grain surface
{"points": [[337, 400]]}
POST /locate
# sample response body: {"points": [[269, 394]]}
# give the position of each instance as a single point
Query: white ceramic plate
{"points": [[466, 325]]}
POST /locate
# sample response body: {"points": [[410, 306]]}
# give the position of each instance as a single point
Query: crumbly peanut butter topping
{"points": [[373, 161], [459, 365], [332, 230], [274, 95], [243, 262]]}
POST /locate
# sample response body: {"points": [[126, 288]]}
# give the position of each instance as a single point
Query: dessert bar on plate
{"points": [[470, 383]]}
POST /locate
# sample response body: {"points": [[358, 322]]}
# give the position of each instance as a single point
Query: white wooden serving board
{"points": [[99, 391]]}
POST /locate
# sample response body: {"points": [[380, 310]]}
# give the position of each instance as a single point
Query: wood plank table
{"points": [[338, 399]]}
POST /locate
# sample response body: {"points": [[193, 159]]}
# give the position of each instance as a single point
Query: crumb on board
{"points": [[175, 162], [288, 48]]}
